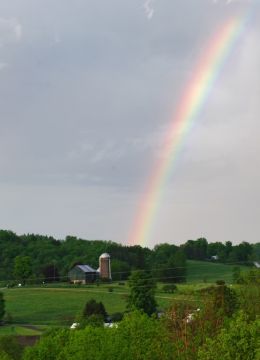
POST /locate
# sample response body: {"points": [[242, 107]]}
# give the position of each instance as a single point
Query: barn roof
{"points": [[86, 268]]}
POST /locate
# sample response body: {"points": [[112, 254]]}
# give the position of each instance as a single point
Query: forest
{"points": [[49, 259]]}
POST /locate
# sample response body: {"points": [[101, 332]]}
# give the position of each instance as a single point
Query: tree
{"points": [[175, 268], [50, 273], [2, 306], [137, 337], [10, 348], [239, 341], [142, 291], [22, 268], [93, 307], [224, 300], [120, 270]]}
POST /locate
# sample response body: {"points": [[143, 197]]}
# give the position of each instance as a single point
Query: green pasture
{"points": [[209, 272], [58, 304], [55, 306], [18, 330]]}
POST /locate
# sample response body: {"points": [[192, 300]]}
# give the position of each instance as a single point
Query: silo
{"points": [[104, 266]]}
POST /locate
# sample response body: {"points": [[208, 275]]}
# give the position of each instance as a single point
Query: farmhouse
{"points": [[85, 274], [82, 274]]}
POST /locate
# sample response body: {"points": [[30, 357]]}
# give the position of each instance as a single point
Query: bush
{"points": [[239, 341], [137, 337], [11, 284], [170, 288], [116, 317], [10, 347], [220, 282], [93, 320], [92, 307], [4, 356]]}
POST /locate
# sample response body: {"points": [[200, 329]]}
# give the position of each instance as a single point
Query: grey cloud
{"points": [[10, 31], [86, 103]]}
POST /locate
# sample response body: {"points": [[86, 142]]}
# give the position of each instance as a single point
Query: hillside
{"points": [[208, 272]]}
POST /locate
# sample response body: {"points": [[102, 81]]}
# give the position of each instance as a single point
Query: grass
{"points": [[55, 306], [209, 272], [18, 330], [58, 304]]}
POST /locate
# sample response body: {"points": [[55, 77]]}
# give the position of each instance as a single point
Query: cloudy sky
{"points": [[88, 90]]}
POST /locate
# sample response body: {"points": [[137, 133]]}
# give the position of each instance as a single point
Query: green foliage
{"points": [[170, 288], [116, 317], [249, 293], [22, 268], [49, 347], [50, 273], [174, 269], [237, 275], [239, 341], [120, 270], [4, 356], [223, 298], [2, 306], [95, 320], [10, 348], [142, 291], [137, 337], [93, 307]]}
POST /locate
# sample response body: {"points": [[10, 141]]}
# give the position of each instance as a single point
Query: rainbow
{"points": [[190, 107]]}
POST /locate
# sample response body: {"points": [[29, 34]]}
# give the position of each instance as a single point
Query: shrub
{"points": [[220, 282], [239, 341], [116, 317], [10, 347], [92, 307], [170, 288]]}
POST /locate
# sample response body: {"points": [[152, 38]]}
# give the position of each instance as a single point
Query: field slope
{"points": [[203, 271], [58, 304]]}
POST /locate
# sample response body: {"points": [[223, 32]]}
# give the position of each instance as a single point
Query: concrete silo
{"points": [[104, 266]]}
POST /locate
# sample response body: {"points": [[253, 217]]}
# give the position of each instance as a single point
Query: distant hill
{"points": [[205, 271]]}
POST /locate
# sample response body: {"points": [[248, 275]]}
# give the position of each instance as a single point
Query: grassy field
{"points": [[59, 304], [202, 271], [18, 330]]}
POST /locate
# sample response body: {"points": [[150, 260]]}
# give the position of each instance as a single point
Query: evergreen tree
{"points": [[142, 291]]}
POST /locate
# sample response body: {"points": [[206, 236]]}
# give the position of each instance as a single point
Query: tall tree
{"points": [[142, 291], [22, 268]]}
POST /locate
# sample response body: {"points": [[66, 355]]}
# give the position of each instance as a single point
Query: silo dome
{"points": [[104, 256]]}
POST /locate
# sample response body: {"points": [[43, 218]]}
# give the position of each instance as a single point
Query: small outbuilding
{"points": [[82, 274]]}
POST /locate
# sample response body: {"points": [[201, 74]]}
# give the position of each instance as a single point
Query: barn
{"points": [[82, 274]]}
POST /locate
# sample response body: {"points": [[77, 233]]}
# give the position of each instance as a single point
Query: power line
{"points": [[126, 272]]}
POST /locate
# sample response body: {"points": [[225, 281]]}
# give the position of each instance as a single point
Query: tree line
{"points": [[43, 258]]}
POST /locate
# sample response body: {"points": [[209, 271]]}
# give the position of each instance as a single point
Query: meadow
{"points": [[58, 304]]}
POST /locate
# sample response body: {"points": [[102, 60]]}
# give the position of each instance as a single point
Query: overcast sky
{"points": [[88, 90]]}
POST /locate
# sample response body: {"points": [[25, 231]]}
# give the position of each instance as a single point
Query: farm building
{"points": [[82, 274], [104, 267]]}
